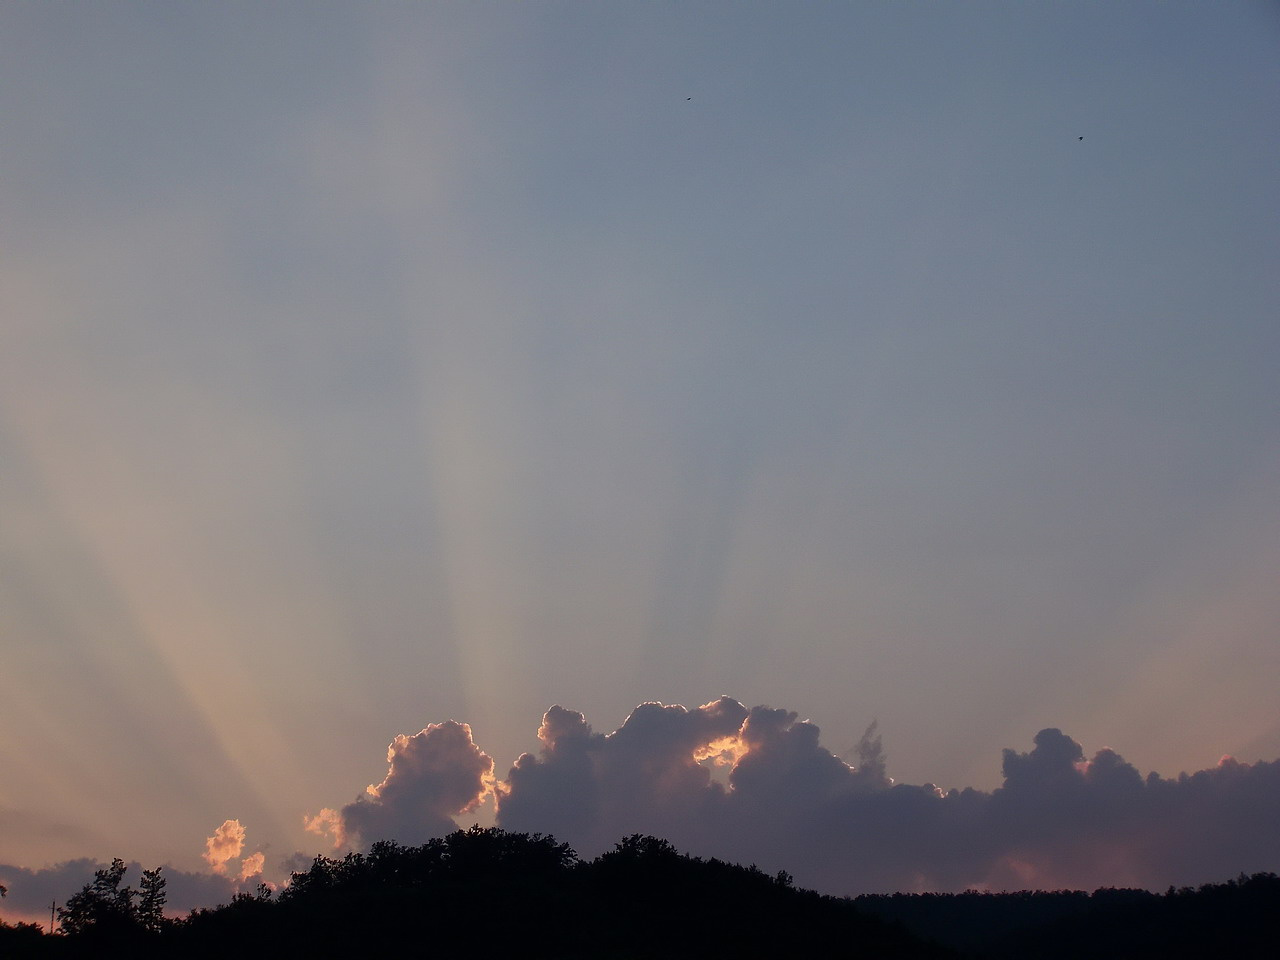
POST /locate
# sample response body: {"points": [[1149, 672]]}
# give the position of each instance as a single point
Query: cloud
{"points": [[757, 786], [656, 774], [225, 844], [251, 866], [1059, 819], [434, 775], [648, 776], [328, 822]]}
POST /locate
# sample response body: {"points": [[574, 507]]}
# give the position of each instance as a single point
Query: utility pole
{"points": [[53, 904]]}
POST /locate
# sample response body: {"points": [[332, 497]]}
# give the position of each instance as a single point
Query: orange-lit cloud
{"points": [[722, 752], [251, 866], [225, 844], [327, 823]]}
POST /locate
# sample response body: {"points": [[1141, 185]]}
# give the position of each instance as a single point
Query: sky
{"points": [[368, 369]]}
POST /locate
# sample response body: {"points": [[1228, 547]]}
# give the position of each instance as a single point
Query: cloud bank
{"points": [[756, 785]]}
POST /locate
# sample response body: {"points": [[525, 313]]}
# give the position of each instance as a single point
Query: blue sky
{"points": [[364, 366]]}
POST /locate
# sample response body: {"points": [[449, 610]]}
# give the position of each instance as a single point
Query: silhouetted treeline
{"points": [[490, 893], [1236, 919]]}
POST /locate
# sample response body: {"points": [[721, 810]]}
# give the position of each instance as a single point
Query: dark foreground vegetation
{"points": [[1236, 919], [489, 893], [483, 893]]}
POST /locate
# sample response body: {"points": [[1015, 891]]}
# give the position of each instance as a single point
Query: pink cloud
{"points": [[225, 845]]}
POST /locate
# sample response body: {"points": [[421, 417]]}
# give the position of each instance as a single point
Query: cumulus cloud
{"points": [[1059, 819], [328, 822], [225, 844], [251, 866], [655, 775], [757, 785], [433, 776], [648, 776]]}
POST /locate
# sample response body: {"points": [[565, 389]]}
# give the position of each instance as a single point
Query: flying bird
{"points": [[1079, 138]]}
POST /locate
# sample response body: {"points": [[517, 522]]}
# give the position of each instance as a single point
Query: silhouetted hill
{"points": [[1237, 919], [489, 893]]}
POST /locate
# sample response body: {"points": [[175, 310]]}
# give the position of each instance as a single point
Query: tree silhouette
{"points": [[486, 893], [105, 910], [101, 904], [150, 912]]}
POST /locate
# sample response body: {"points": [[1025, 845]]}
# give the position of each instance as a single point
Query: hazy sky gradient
{"points": [[370, 365]]}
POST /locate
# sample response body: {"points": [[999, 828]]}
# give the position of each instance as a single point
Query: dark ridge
{"points": [[489, 893], [1236, 919]]}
